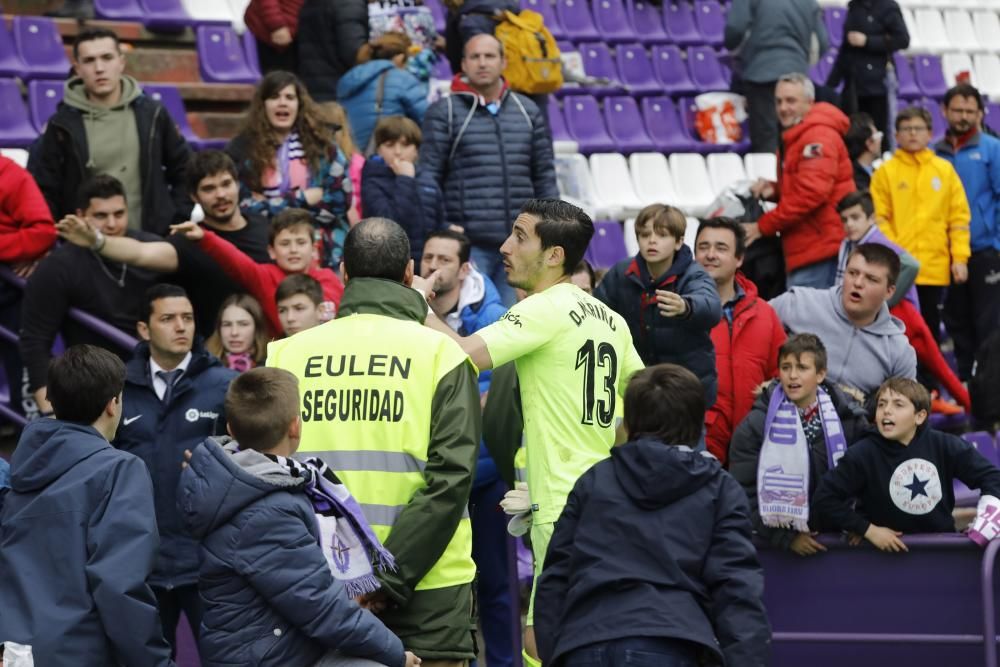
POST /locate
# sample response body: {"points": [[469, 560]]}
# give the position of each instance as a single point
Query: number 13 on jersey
{"points": [[599, 363]]}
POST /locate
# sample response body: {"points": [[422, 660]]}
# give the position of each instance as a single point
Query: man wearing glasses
{"points": [[920, 204], [972, 310]]}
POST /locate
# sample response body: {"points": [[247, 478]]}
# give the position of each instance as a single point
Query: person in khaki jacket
{"points": [[920, 204]]}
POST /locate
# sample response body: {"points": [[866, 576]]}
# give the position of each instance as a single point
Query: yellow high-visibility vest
{"points": [[366, 384]]}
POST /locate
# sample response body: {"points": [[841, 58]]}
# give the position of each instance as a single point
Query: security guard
{"points": [[393, 408]]}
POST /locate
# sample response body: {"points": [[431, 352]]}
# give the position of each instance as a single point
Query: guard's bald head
{"points": [[377, 248]]}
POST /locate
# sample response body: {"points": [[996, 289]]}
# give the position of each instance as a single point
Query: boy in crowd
{"points": [[392, 188], [269, 594], [668, 300], [701, 559], [902, 476], [291, 247], [857, 212], [798, 429], [300, 304], [78, 528]]}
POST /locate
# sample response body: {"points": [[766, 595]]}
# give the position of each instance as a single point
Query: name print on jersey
{"points": [[354, 404], [594, 310]]}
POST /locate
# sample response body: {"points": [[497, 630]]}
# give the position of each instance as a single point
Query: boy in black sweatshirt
{"points": [[903, 476]]}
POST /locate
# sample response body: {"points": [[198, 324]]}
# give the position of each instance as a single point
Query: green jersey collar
{"points": [[378, 296]]}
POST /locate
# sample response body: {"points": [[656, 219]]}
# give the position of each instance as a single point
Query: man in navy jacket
{"points": [[174, 398], [77, 534]]}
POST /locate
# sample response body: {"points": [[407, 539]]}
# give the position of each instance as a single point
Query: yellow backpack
{"points": [[533, 62]]}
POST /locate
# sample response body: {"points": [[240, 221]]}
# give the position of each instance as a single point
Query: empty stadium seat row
{"points": [[662, 125], [613, 187], [665, 69], [20, 126], [171, 15], [615, 21], [954, 30]]}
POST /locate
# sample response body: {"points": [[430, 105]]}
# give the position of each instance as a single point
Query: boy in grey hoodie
{"points": [[865, 344]]}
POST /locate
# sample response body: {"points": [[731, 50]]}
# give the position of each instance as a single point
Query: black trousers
{"points": [[764, 130], [877, 106], [172, 602], [930, 307], [271, 59], [972, 310]]}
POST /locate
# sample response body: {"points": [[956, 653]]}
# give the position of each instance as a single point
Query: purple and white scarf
{"points": [[783, 467], [351, 548]]}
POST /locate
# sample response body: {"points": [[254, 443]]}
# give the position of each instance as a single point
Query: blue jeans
{"points": [[634, 652], [488, 262], [820, 275]]}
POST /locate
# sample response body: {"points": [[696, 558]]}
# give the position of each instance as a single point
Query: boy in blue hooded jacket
{"points": [[269, 595], [652, 552]]}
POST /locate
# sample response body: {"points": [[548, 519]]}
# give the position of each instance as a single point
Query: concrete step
{"points": [[216, 124]]}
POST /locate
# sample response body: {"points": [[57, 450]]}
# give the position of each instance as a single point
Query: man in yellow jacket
{"points": [[921, 205]]}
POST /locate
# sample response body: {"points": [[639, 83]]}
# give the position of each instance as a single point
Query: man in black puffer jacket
{"points": [[489, 150], [330, 34]]}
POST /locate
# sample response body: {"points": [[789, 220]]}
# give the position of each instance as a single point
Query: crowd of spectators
{"points": [[429, 243]]}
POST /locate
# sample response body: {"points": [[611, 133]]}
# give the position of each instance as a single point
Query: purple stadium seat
{"points": [[993, 114], [664, 126], [834, 18], [10, 63], [625, 125], [821, 70], [165, 15], [904, 74], [170, 98], [586, 124], [40, 46], [598, 62], [607, 247], [611, 21], [43, 98], [964, 496], [557, 123], [678, 19], [440, 15], [706, 71], [221, 57], [647, 22], [636, 71], [711, 20], [672, 71], [118, 10], [548, 12], [250, 52], [937, 120], [442, 69], [16, 130], [929, 75], [576, 20]]}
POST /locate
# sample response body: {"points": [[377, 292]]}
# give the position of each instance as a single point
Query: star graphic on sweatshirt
{"points": [[917, 488]]}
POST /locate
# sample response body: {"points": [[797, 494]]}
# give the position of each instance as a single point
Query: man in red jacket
{"points": [[746, 339], [814, 173], [27, 232]]}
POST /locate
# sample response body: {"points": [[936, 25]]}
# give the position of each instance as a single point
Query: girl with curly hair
{"points": [[288, 158]]}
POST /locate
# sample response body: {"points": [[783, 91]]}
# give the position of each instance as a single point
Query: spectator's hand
{"points": [[959, 273], [858, 39], [762, 189], [403, 168], [187, 457], [189, 230], [885, 539], [805, 545], [853, 539], [376, 602], [752, 230], [671, 304], [24, 269], [426, 285], [457, 228], [42, 401], [412, 660], [313, 196], [77, 231], [281, 37]]}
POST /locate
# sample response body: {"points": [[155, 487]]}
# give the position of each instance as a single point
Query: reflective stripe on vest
{"points": [[366, 384]]}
